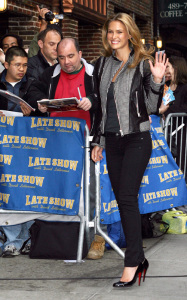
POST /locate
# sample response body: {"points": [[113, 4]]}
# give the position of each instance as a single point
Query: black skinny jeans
{"points": [[127, 158]]}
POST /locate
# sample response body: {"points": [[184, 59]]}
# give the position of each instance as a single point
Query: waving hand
{"points": [[159, 67]]}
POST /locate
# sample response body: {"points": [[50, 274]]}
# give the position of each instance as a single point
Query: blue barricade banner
{"points": [[109, 213], [41, 163], [163, 185]]}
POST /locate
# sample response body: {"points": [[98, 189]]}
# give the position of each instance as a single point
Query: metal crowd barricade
{"points": [[97, 214], [96, 221], [85, 222], [175, 131], [84, 217]]}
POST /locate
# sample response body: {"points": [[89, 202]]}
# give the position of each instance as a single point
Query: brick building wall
{"points": [[70, 27], [90, 42], [22, 19]]}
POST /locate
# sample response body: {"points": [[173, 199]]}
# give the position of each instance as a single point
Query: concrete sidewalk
{"points": [[24, 278]]}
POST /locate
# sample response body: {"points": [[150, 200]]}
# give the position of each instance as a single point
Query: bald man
{"points": [[71, 77]]}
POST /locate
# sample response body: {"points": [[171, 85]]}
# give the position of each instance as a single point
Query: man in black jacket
{"points": [[14, 80], [48, 40]]}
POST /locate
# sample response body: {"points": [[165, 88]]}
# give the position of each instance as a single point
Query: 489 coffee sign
{"points": [[172, 11]]}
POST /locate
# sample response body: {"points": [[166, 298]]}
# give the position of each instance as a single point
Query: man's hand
{"points": [[2, 114], [42, 12], [85, 104], [2, 56], [42, 108], [25, 109]]}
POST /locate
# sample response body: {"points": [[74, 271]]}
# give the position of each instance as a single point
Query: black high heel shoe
{"points": [[142, 268], [145, 267]]}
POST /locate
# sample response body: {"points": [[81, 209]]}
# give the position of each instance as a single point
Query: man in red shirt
{"points": [[72, 77]]}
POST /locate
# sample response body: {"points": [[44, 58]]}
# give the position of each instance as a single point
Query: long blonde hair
{"points": [[140, 52]]}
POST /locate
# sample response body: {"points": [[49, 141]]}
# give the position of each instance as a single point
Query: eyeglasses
{"points": [[18, 66]]}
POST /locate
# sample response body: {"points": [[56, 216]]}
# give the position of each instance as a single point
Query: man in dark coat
{"points": [[14, 80], [48, 40]]}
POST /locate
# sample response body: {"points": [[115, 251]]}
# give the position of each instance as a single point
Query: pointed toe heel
{"points": [[142, 268], [119, 284]]}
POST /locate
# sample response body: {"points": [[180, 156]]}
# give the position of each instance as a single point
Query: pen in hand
{"points": [[79, 94]]}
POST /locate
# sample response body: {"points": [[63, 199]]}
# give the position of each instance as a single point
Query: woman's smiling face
{"points": [[117, 35]]}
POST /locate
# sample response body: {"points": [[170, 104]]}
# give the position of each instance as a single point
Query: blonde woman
{"points": [[130, 86]]}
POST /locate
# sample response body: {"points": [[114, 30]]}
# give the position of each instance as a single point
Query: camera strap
{"points": [[40, 18]]}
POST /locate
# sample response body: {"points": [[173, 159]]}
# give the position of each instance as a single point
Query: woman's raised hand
{"points": [[158, 69]]}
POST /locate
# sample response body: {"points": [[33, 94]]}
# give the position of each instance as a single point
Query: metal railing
{"points": [[83, 215], [96, 221], [97, 214], [175, 132]]}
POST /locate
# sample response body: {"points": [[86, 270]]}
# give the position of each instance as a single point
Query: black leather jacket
{"points": [[22, 92], [36, 66], [138, 99]]}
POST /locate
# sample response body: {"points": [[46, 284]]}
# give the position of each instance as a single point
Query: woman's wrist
{"points": [[157, 80]]}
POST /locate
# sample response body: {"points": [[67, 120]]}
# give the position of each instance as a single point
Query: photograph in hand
{"points": [[60, 104], [15, 99]]}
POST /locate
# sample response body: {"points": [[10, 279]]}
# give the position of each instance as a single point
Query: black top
{"points": [[112, 122]]}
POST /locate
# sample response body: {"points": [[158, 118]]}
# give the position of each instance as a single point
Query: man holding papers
{"points": [[72, 77], [13, 79]]}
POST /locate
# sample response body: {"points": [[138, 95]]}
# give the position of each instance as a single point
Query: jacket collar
{"points": [[43, 59], [88, 68], [130, 55], [3, 74]]}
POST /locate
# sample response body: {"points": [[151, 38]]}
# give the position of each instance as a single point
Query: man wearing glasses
{"points": [[14, 80]]}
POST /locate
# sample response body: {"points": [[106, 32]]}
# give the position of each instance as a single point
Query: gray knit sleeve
{"points": [[153, 91]]}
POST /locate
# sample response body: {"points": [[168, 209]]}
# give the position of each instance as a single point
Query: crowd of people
{"points": [[26, 78], [118, 93]]}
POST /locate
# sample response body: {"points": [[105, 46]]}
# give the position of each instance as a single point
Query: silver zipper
{"points": [[137, 106], [121, 132], [49, 91]]}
